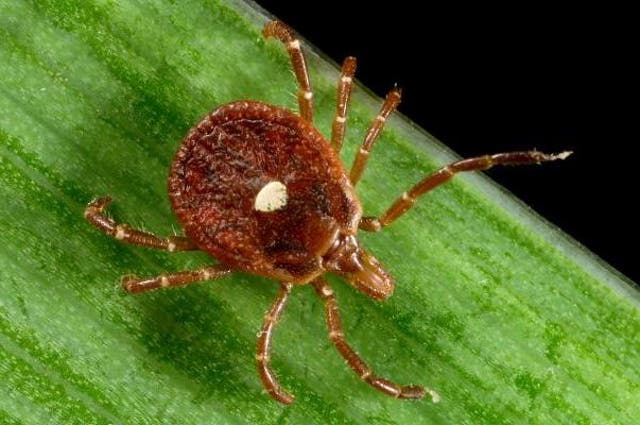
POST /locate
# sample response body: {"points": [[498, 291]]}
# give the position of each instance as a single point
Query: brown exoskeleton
{"points": [[257, 187]]}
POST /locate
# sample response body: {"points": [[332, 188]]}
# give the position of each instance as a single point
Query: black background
{"points": [[486, 79]]}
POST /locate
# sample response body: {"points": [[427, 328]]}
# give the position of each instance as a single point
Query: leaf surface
{"points": [[509, 320]]}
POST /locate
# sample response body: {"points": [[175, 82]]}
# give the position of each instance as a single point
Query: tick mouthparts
{"points": [[360, 269], [370, 278]]}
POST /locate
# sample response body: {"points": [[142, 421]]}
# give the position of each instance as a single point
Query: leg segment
{"points": [[267, 377], [391, 102], [336, 336], [407, 199], [282, 32], [94, 215], [342, 102], [134, 285]]}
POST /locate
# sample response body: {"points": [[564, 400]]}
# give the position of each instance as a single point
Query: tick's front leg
{"points": [[405, 202], [336, 336]]}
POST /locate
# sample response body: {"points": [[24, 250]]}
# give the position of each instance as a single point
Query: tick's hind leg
{"points": [[444, 174], [263, 351], [282, 32], [93, 213], [351, 357], [134, 285]]}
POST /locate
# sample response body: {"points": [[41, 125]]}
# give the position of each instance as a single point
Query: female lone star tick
{"points": [[257, 187]]}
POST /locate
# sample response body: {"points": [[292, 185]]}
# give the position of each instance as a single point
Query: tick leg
{"points": [[407, 199], [133, 284], [391, 102], [93, 213], [342, 102], [336, 336], [263, 351], [282, 32]]}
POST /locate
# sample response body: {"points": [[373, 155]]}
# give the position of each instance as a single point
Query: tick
{"points": [[258, 188]]}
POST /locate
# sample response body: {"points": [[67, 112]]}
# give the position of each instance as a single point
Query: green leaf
{"points": [[509, 320]]}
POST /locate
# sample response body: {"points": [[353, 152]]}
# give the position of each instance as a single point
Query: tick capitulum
{"points": [[258, 188]]}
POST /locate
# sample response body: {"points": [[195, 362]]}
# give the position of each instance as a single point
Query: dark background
{"points": [[486, 80]]}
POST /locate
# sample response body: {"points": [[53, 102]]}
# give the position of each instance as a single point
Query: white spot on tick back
{"points": [[271, 197]]}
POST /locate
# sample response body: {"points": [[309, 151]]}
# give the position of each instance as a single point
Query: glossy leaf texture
{"points": [[511, 322]]}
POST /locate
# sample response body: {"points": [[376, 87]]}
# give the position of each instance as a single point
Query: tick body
{"points": [[259, 189]]}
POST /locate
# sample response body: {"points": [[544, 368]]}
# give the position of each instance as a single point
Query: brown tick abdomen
{"points": [[224, 162]]}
